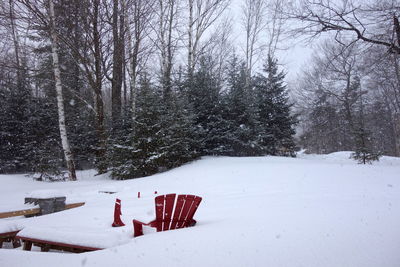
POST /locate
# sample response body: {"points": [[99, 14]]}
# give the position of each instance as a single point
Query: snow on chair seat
{"points": [[183, 212]]}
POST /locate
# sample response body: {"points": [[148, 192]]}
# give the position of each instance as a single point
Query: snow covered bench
{"points": [[70, 239], [8, 231], [10, 237]]}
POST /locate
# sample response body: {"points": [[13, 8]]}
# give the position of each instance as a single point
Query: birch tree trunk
{"points": [[60, 100], [165, 43]]}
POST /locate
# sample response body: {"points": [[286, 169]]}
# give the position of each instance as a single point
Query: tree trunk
{"points": [[190, 37], [98, 99], [133, 69], [16, 45], [117, 26], [60, 100]]}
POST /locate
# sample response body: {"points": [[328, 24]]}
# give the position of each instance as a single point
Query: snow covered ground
{"points": [[308, 211]]}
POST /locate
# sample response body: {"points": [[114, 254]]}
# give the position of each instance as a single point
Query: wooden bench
{"points": [[46, 245], [184, 210], [10, 237]]}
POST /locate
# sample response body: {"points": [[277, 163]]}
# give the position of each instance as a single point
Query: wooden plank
{"points": [[192, 211], [8, 234], [46, 244], [73, 205], [35, 211], [178, 209], [159, 212], [188, 203], [169, 206]]}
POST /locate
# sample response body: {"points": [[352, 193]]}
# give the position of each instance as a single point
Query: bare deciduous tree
{"points": [[60, 100], [166, 39], [139, 15], [275, 24], [374, 23], [202, 14], [118, 33], [254, 23]]}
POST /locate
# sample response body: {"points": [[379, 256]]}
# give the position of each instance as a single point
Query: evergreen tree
{"points": [[275, 123], [323, 133], [46, 156], [136, 155], [241, 113], [178, 144], [204, 96], [364, 152], [14, 129], [160, 138]]}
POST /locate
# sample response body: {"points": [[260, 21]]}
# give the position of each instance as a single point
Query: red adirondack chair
{"points": [[185, 208]]}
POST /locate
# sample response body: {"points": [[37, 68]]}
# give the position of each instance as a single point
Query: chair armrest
{"points": [[138, 227]]}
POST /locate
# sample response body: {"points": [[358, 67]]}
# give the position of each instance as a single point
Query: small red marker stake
{"points": [[155, 192], [138, 194], [117, 214]]}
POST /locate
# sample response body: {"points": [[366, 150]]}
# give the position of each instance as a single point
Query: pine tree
{"points": [[178, 144], [46, 156], [15, 100], [204, 96], [160, 138], [241, 112], [275, 123], [323, 133], [364, 152], [135, 155]]}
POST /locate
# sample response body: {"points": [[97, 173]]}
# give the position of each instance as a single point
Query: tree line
{"points": [[348, 96], [136, 87], [100, 83]]}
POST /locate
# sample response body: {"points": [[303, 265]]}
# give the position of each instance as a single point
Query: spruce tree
{"points": [[178, 144], [14, 127], [204, 96], [364, 151], [275, 123], [241, 112]]}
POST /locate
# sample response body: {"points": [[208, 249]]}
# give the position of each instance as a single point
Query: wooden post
{"points": [[27, 245]]}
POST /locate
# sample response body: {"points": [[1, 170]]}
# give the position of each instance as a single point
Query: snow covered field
{"points": [[267, 211]]}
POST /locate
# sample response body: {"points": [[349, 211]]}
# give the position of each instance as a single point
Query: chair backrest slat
{"points": [[188, 202], [169, 206], [159, 212], [178, 209], [192, 210]]}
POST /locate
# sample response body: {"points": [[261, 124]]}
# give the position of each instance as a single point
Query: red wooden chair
{"points": [[183, 212]]}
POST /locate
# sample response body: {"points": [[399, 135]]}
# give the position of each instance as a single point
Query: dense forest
{"points": [[137, 87]]}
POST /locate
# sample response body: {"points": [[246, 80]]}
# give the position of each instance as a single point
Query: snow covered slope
{"points": [[264, 211]]}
